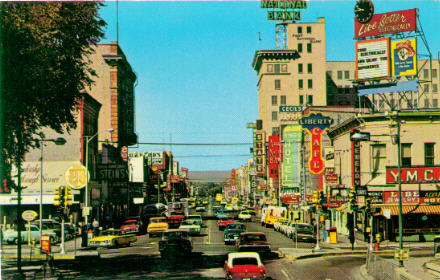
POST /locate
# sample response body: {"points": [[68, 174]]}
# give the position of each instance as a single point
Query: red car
{"points": [[131, 226], [222, 223], [253, 242], [175, 218], [244, 266]]}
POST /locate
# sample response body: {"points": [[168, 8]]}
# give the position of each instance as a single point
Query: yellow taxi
{"points": [[112, 238], [157, 226]]}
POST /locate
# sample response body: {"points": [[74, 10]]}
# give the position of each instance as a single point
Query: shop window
{"points": [[429, 154], [406, 154], [378, 159]]}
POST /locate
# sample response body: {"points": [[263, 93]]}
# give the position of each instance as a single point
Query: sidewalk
{"points": [[416, 267]]}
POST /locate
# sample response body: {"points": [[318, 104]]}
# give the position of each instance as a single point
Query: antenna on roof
{"points": [[259, 36]]}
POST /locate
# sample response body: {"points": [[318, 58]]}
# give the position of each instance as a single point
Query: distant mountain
{"points": [[209, 176]]}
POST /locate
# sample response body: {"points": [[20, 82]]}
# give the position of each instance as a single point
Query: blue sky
{"points": [[193, 63]]}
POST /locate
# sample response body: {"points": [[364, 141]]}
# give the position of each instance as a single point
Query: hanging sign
{"points": [[316, 124]]}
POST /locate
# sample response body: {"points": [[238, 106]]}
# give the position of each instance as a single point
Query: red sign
{"points": [[316, 163], [290, 198], [407, 197], [232, 177], [413, 175], [274, 158], [175, 179], [331, 178], [356, 163], [387, 23]]}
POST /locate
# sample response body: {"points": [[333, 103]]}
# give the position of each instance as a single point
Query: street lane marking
{"points": [[285, 274]]}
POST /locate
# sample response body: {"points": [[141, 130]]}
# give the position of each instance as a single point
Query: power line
{"points": [[212, 156], [195, 144]]}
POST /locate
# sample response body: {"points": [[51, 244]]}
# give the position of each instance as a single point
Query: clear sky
{"points": [[193, 64]]}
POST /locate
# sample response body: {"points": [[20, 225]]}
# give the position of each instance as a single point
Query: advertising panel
{"points": [[413, 175], [283, 10], [387, 23], [136, 169], [259, 152], [274, 150], [316, 124], [373, 58], [154, 158], [292, 136], [404, 57], [290, 113]]}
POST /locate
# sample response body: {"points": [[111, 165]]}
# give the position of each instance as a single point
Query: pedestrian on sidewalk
{"points": [[95, 225]]}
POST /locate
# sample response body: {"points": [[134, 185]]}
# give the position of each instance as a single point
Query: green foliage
{"points": [[45, 67]]}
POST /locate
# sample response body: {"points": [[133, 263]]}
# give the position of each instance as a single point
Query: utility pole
{"points": [[399, 181]]}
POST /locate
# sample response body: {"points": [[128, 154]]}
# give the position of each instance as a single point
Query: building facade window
{"points": [[274, 100], [425, 73], [270, 68], [300, 84], [434, 103], [283, 100], [426, 103], [274, 116], [310, 100], [310, 83], [426, 88], [339, 75], [277, 68], [283, 67], [434, 88], [309, 47], [329, 73], [301, 99], [429, 154], [434, 73], [406, 154], [300, 68], [309, 68], [300, 48], [309, 29], [378, 159], [346, 75], [300, 29], [275, 131], [277, 84]]}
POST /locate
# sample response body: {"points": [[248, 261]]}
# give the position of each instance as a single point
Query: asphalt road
{"points": [[142, 260]]}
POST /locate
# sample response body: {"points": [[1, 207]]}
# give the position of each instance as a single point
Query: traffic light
{"points": [[68, 197], [320, 198], [315, 197], [352, 198], [368, 205], [58, 199]]}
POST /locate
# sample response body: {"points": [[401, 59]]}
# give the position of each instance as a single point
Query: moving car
{"points": [[304, 232], [222, 223], [131, 226], [112, 238], [200, 209], [246, 265], [175, 218], [253, 242], [175, 243], [245, 216], [191, 226], [232, 232], [273, 214], [157, 226], [11, 235]]}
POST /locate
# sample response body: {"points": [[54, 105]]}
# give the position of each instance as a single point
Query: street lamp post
{"points": [[58, 141], [86, 196], [399, 182]]}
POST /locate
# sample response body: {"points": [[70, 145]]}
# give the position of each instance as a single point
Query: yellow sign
{"points": [[404, 57], [401, 254], [29, 215], [77, 176], [219, 197]]}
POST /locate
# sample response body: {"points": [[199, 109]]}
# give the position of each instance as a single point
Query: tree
{"points": [[45, 67]]}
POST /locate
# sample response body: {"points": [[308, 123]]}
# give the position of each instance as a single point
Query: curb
{"points": [[319, 255], [38, 257], [363, 272]]}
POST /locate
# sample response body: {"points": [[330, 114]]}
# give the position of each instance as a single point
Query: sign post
{"points": [[29, 216]]}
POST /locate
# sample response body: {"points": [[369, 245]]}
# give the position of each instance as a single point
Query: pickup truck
{"points": [[253, 242], [174, 244]]}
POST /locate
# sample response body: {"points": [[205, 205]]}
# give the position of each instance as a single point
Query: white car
{"points": [[283, 227], [277, 224], [191, 226], [290, 230], [245, 216]]}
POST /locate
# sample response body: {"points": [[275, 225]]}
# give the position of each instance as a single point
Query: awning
{"points": [[392, 87], [415, 209]]}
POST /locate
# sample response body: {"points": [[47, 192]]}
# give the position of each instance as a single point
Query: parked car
{"points": [[304, 232], [191, 226], [131, 226], [284, 226], [112, 238], [11, 235], [279, 223], [56, 227], [290, 229], [246, 265], [245, 216], [232, 232], [157, 226], [222, 223], [253, 242], [175, 243]]}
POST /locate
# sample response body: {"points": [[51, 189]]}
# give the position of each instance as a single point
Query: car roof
{"points": [[253, 233], [157, 218], [232, 256], [130, 221]]}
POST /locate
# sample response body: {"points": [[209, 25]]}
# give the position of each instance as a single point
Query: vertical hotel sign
{"points": [[259, 152], [316, 124], [292, 136], [273, 156]]}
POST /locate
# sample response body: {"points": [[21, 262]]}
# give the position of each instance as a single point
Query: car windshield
{"points": [[244, 261], [110, 232], [254, 237], [236, 226], [175, 234], [156, 221], [304, 228]]}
